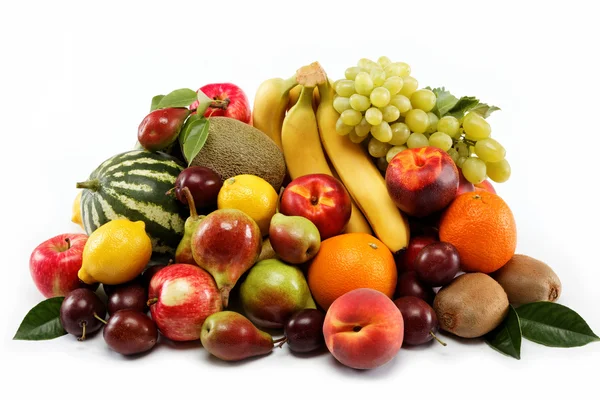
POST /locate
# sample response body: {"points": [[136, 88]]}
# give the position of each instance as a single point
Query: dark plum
{"points": [[437, 264], [304, 331], [82, 313], [410, 285], [204, 185], [130, 332], [415, 245], [128, 297], [420, 322]]}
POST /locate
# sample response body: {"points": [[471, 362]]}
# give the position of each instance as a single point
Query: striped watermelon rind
{"points": [[134, 185]]}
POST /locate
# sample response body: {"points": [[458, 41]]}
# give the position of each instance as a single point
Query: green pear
{"points": [[272, 292], [294, 239], [183, 253]]}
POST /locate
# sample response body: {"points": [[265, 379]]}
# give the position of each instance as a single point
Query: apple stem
{"points": [[82, 338], [222, 104], [438, 339], [191, 203], [99, 319], [170, 261], [68, 243], [151, 301], [281, 342], [92, 184]]}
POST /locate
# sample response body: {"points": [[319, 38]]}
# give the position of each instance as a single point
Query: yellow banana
{"points": [[270, 104], [303, 151], [361, 177], [294, 96]]}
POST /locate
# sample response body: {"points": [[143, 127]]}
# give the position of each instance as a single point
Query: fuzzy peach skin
{"points": [[363, 329]]}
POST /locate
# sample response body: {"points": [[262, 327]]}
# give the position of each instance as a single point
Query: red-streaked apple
{"points": [[181, 297], [228, 100], [363, 329], [422, 181], [321, 199], [55, 262]]}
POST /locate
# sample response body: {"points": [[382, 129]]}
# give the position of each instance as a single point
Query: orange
{"points": [[482, 228], [351, 261]]}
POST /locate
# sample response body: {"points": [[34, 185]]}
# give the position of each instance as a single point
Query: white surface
{"points": [[77, 80]]}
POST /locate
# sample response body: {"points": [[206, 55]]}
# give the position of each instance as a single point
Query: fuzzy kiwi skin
{"points": [[472, 305], [235, 148], [527, 280]]}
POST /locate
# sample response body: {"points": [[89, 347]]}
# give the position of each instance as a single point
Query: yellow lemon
{"points": [[76, 210], [116, 252], [252, 195]]}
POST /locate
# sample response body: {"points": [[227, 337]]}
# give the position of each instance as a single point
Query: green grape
{"points": [[474, 170], [402, 103], [351, 117], [463, 149], [367, 64], [410, 86], [380, 97], [417, 121], [416, 140], [449, 125], [423, 99], [382, 164], [489, 150], [400, 133], [498, 171], [378, 76], [359, 102], [382, 132], [363, 83], [433, 121], [393, 151], [373, 116], [453, 155], [476, 127], [441, 141], [355, 138], [393, 84], [345, 88], [342, 128], [461, 160], [341, 104], [384, 61], [400, 69], [352, 72], [378, 149], [363, 128], [390, 113]]}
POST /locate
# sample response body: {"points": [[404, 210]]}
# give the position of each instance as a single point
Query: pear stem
{"points": [[438, 339], [151, 301], [68, 243], [225, 295], [82, 338], [281, 342], [99, 319], [191, 203], [92, 184]]}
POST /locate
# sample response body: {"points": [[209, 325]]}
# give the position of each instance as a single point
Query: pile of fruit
{"points": [[353, 216]]}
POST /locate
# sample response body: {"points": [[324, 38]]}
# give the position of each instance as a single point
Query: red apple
{"points": [[415, 245], [320, 198], [464, 186], [181, 297], [422, 181], [54, 264], [363, 329], [486, 185], [229, 100]]}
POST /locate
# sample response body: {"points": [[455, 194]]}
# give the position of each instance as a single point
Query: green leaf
{"points": [[203, 102], [554, 325], [506, 338], [185, 129], [195, 138], [445, 101], [155, 101], [42, 321], [464, 105], [178, 98], [484, 110]]}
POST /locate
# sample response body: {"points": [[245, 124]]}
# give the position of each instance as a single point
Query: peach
{"points": [[422, 181], [363, 329]]}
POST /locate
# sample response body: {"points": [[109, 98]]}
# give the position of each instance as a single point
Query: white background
{"points": [[76, 80]]}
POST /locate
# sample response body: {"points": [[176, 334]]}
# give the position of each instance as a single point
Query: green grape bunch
{"points": [[381, 103]]}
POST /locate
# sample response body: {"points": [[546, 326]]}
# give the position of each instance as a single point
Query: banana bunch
{"points": [[298, 115]]}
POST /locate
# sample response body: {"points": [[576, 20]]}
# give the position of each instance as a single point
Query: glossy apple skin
{"points": [[363, 329], [422, 181], [159, 129], [486, 185], [181, 297], [464, 186], [320, 198], [54, 264], [415, 245], [229, 100]]}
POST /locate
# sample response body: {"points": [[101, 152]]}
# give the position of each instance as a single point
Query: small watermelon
{"points": [[134, 185]]}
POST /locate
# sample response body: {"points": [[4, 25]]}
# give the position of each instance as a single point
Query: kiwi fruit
{"points": [[472, 305], [235, 148], [527, 280]]}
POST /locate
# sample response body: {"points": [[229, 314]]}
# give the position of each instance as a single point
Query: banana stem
{"points": [[306, 96], [290, 83], [311, 75]]}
